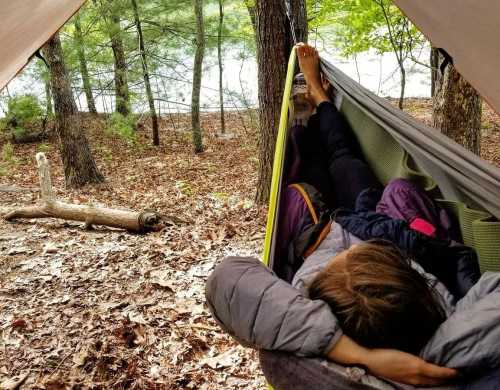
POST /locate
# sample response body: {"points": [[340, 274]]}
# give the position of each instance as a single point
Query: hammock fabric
{"points": [[395, 145], [25, 27]]}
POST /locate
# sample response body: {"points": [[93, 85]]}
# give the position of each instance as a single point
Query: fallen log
{"points": [[12, 189], [29, 137], [52, 208]]}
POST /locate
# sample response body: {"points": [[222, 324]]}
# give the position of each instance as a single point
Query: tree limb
{"points": [[52, 208]]}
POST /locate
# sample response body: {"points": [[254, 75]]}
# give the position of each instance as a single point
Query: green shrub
{"points": [[123, 127], [23, 111], [8, 152], [3, 170], [43, 148], [3, 125]]}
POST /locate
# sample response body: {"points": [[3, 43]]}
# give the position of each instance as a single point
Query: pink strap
{"points": [[422, 226]]}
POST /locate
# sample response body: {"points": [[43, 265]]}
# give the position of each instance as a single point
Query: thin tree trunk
{"points": [[121, 82], [80, 47], [197, 76], [48, 97], [147, 82], [299, 16], [250, 4], [272, 57], [458, 109], [434, 62], [403, 86], [221, 67], [79, 165]]}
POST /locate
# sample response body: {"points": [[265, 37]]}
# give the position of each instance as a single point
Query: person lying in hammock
{"points": [[360, 302]]}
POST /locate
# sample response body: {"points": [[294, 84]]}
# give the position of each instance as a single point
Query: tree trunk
{"points": [[434, 62], [221, 67], [80, 47], [457, 110], [250, 4], [121, 82], [299, 16], [197, 76], [48, 97], [79, 165], [149, 92], [402, 71], [272, 57]]}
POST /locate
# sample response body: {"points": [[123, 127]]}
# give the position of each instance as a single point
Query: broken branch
{"points": [[90, 215]]}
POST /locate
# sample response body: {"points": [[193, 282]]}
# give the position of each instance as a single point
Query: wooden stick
{"points": [[52, 208], [45, 180]]}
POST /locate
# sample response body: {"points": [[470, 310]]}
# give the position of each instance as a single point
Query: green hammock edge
{"points": [[389, 160], [279, 158]]}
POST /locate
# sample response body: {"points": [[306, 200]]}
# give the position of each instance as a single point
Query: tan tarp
{"points": [[469, 30], [25, 25]]}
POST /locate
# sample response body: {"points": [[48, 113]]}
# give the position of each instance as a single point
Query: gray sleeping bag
{"points": [[262, 311]]}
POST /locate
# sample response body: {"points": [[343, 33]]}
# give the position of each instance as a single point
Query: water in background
{"points": [[380, 74]]}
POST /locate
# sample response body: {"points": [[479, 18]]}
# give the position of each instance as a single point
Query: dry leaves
{"points": [[105, 309]]}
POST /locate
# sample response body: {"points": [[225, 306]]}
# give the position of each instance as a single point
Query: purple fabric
{"points": [[404, 200], [291, 220]]}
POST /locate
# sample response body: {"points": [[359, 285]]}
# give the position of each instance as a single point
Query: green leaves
{"points": [[23, 111], [361, 25]]}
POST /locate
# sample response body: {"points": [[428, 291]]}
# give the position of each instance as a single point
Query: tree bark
{"points": [[434, 63], [458, 109], [197, 76], [48, 97], [121, 78], [80, 47], [250, 4], [221, 67], [402, 71], [79, 165], [147, 82], [272, 57]]}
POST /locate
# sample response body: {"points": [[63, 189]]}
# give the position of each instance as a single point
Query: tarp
{"points": [[469, 30], [25, 26]]}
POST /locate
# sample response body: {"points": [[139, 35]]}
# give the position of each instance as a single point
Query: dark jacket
{"points": [[453, 264]]}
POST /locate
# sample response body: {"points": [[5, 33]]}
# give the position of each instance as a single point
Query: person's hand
{"points": [[405, 368], [390, 364]]}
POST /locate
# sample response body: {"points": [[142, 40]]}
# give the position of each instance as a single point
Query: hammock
{"points": [[394, 145]]}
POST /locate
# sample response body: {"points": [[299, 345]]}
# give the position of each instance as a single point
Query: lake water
{"points": [[378, 73]]}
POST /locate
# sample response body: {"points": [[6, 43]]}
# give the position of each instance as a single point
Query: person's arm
{"points": [[390, 364]]}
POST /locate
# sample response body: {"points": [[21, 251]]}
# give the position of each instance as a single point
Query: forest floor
{"points": [[106, 309]]}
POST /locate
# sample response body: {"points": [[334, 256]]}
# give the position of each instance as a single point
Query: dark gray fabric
{"points": [[262, 311], [461, 175], [287, 372]]}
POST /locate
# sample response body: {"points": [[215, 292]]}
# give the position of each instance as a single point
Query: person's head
{"points": [[378, 298]]}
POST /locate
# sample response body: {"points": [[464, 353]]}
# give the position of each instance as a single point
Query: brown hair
{"points": [[379, 299]]}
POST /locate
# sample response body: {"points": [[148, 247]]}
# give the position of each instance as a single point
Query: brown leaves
{"points": [[105, 309], [132, 335], [19, 324]]}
